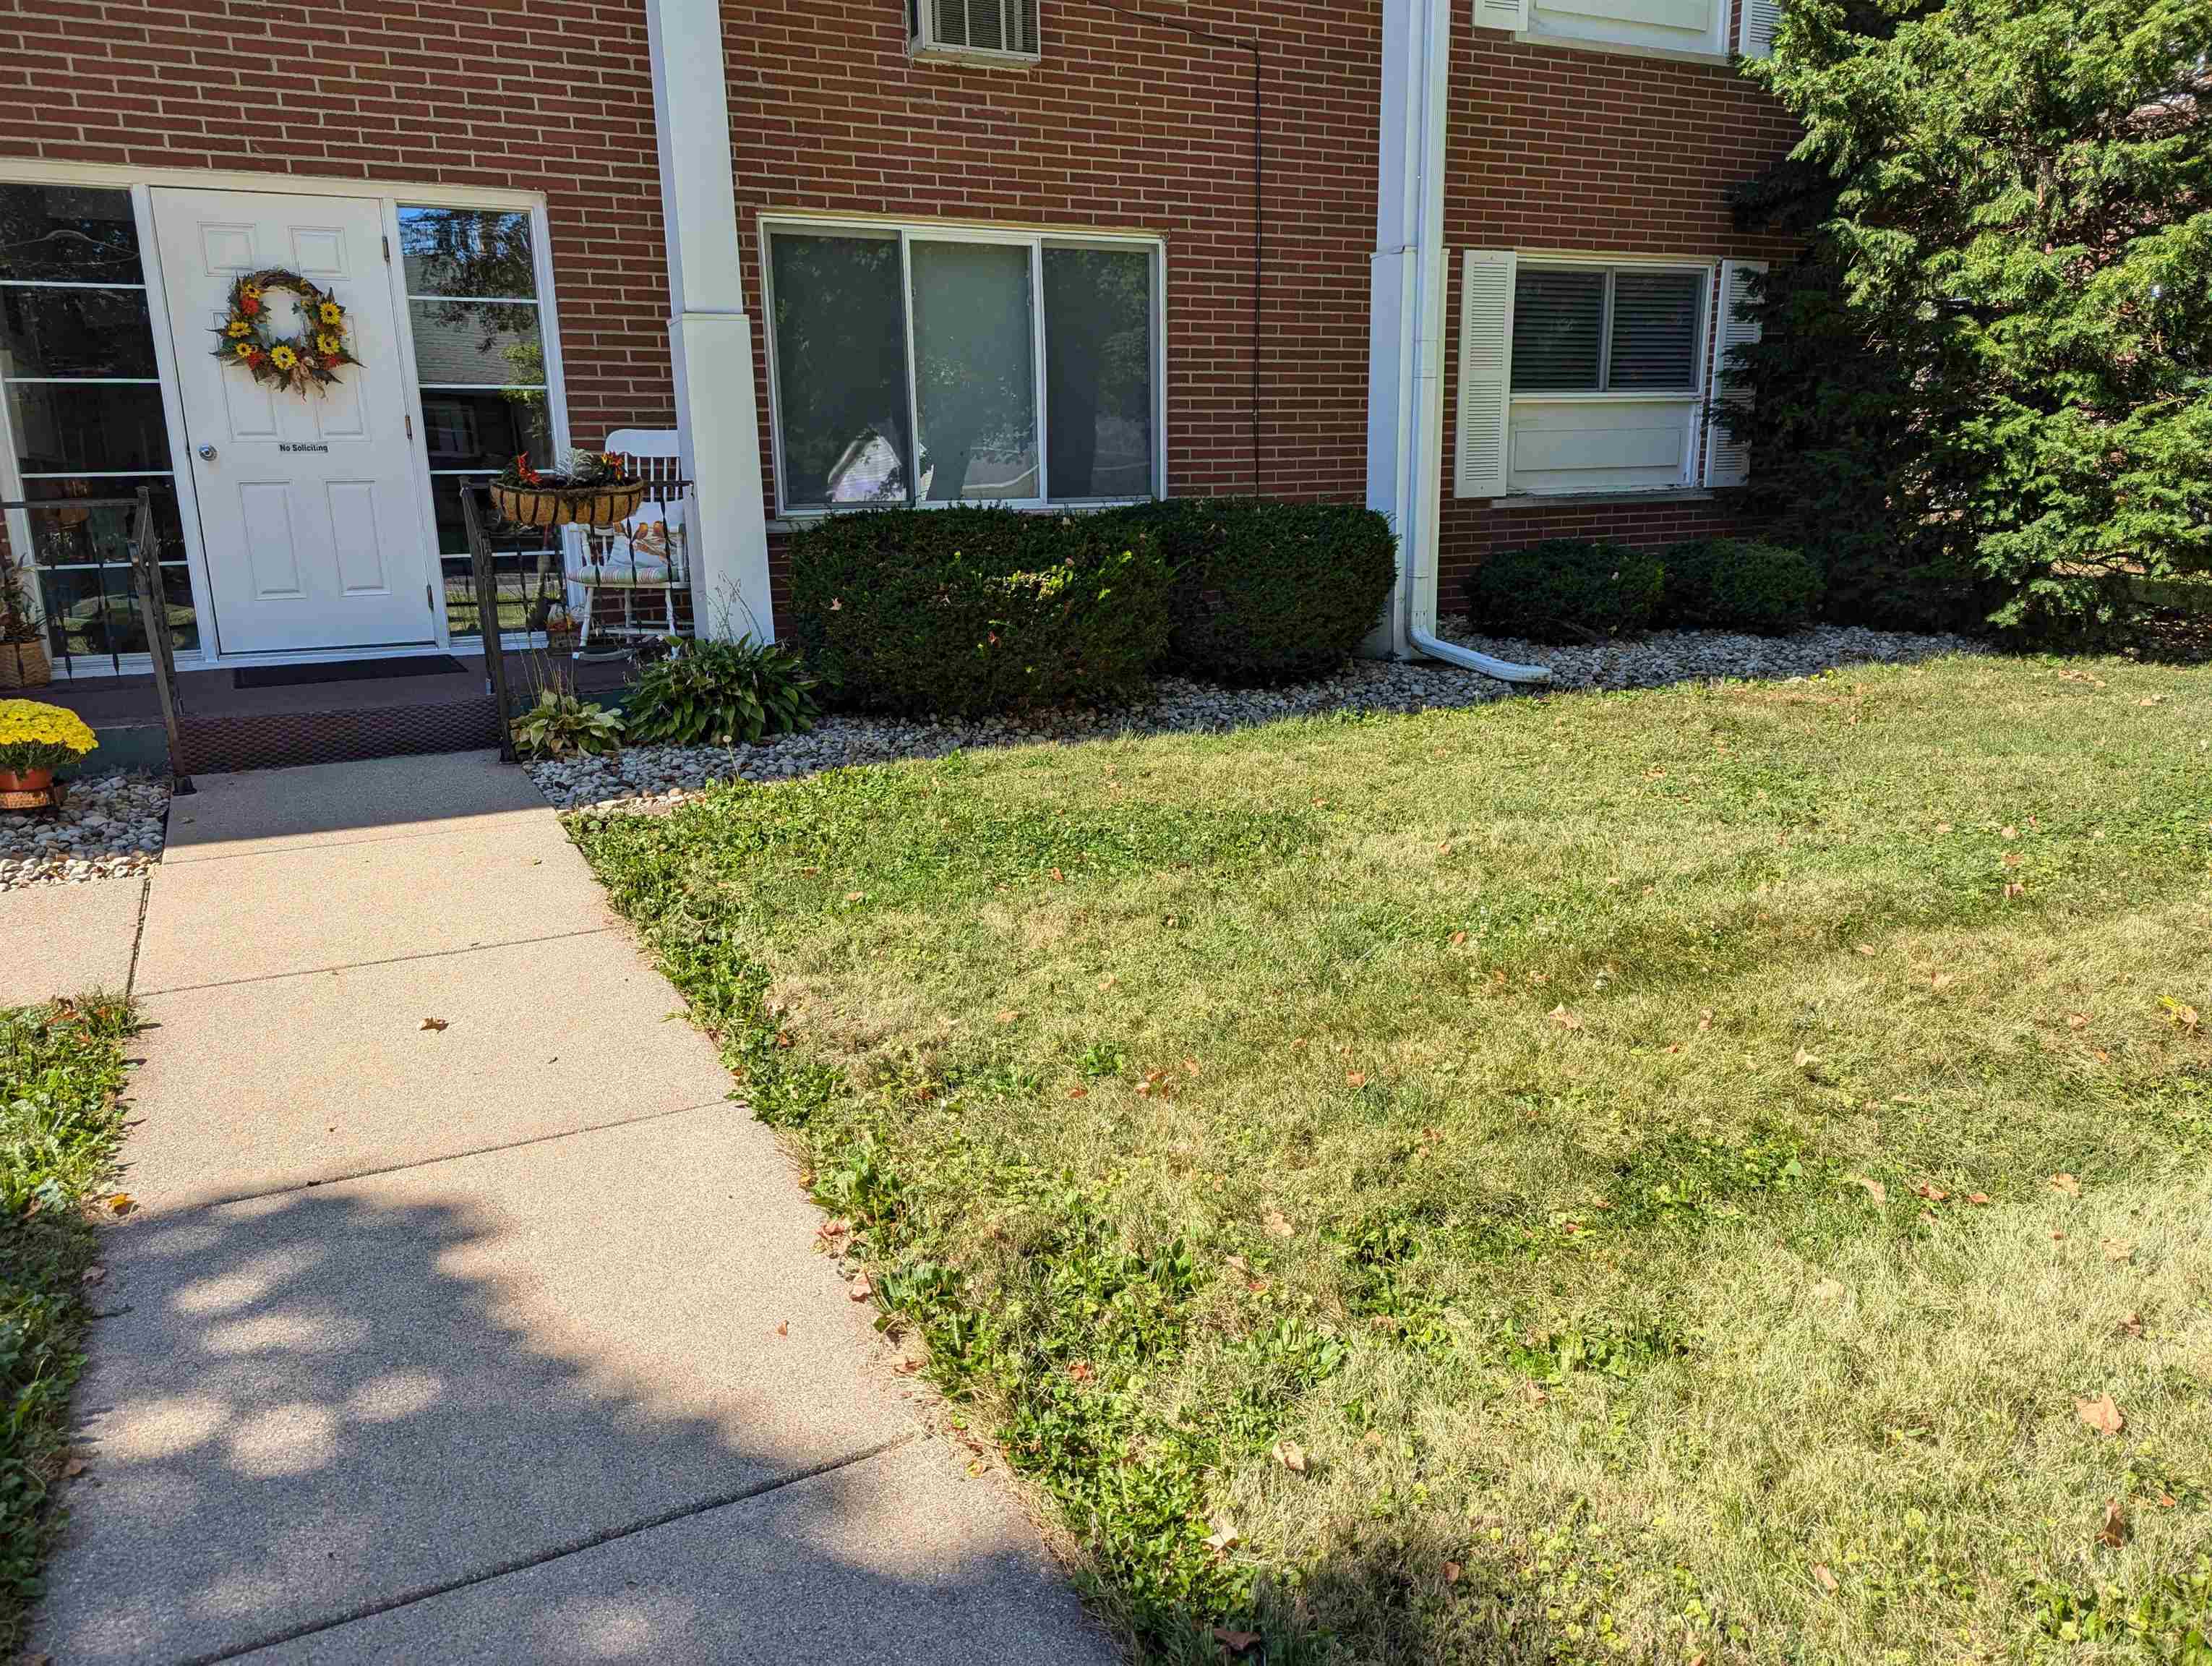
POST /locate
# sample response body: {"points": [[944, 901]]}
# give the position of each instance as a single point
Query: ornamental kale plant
{"points": [[1987, 385]]}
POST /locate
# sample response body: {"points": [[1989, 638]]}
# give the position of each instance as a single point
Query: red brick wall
{"points": [[1124, 123], [548, 95], [1127, 124], [1558, 147]]}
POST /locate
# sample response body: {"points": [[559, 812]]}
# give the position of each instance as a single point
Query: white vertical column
{"points": [[710, 337]]}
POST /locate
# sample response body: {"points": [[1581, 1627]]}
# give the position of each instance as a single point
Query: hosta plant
{"points": [[560, 726], [722, 694]]}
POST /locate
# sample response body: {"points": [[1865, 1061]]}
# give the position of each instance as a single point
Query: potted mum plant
{"points": [[24, 661], [35, 740], [589, 488]]}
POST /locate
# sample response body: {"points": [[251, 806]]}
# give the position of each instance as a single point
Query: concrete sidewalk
{"points": [[504, 1341]]}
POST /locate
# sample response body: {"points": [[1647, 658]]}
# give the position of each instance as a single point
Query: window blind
{"points": [[1559, 330]]}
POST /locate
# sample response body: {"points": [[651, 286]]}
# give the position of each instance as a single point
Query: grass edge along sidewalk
{"points": [[62, 1074]]}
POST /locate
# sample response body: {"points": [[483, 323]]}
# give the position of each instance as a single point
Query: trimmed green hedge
{"points": [[1739, 584], [963, 611], [1565, 590], [1269, 592]]}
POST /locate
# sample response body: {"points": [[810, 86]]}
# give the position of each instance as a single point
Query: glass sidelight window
{"points": [[927, 365], [84, 416], [473, 309]]}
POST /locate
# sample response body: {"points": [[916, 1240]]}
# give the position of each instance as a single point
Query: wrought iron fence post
{"points": [[474, 499], [161, 648]]}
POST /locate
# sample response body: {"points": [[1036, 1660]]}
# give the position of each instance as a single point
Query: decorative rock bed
{"points": [[110, 827], [649, 776]]}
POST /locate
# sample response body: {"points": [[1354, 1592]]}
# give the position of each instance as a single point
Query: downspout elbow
{"points": [[1505, 670]]}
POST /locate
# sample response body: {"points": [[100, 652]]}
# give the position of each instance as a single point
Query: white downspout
{"points": [[1405, 396]]}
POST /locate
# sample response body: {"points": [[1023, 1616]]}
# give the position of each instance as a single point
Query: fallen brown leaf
{"points": [[2118, 1250], [1291, 1455], [95, 1274], [1874, 1188], [1237, 1642], [2077, 1020], [2131, 1326], [1823, 1578], [1355, 1079], [1458, 938], [1277, 1226], [2100, 1414], [434, 1023], [1565, 1019], [784, 1329], [860, 1289], [1451, 1572], [1980, 1199], [2114, 1532], [121, 1204], [2066, 1184], [1223, 1537], [73, 1468]]}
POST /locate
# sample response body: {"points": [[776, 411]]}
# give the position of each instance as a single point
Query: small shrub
{"points": [[1269, 592], [970, 610], [1739, 584], [559, 724], [1565, 590], [706, 693]]}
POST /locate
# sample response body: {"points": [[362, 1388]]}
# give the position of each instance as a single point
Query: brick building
{"points": [[1464, 258]]}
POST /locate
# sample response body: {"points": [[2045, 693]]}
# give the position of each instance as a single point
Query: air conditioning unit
{"points": [[991, 29]]}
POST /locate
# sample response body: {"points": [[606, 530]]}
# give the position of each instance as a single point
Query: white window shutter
{"points": [[1511, 15], [1728, 460], [1755, 32], [1486, 371]]}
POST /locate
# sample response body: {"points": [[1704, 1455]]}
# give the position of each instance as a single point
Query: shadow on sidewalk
{"points": [[321, 1408]]}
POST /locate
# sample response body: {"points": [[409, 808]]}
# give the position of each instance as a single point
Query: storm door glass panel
{"points": [[840, 369], [84, 398], [974, 372], [1098, 372], [472, 308]]}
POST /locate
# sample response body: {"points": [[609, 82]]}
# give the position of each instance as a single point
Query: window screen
{"points": [[1655, 330], [1558, 327], [1591, 330]]}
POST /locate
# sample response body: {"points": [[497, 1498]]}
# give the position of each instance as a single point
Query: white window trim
{"points": [[141, 183], [1035, 238], [924, 43], [1519, 18]]}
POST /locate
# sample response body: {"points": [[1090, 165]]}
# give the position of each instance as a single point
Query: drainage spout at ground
{"points": [[1505, 670]]}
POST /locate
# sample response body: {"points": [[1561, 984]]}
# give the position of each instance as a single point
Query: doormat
{"points": [[346, 671]]}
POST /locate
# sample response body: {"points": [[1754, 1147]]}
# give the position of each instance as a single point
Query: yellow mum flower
{"points": [[237, 328], [244, 349], [283, 357], [250, 291], [33, 723], [331, 312], [326, 344]]}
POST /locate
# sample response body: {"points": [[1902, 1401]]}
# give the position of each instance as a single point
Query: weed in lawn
{"points": [[1610, 1138]]}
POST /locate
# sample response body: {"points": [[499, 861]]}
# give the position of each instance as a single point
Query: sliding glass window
{"points": [[472, 307], [929, 365], [84, 398]]}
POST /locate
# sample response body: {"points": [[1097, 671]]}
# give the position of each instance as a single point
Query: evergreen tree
{"points": [[1987, 385]]}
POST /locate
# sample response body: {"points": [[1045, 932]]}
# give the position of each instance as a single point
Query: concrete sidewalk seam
{"points": [[138, 932], [569, 1548], [352, 1175], [308, 841], [393, 960]]}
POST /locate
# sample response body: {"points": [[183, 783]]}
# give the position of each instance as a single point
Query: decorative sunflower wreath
{"points": [[305, 362]]}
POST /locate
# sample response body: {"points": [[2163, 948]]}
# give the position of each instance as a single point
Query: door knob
{"points": [[206, 452]]}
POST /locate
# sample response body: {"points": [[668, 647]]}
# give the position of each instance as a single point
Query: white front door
{"points": [[307, 501]]}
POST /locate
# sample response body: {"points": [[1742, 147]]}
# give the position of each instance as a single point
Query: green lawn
{"points": [[61, 1122], [1642, 1177]]}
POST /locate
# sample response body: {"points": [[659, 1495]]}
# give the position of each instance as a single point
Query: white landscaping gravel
{"points": [[646, 777], [110, 827]]}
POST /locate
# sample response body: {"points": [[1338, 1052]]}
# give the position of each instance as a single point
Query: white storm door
{"points": [[307, 501]]}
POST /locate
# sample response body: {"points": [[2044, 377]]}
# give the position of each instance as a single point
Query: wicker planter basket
{"points": [[566, 506], [25, 665]]}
